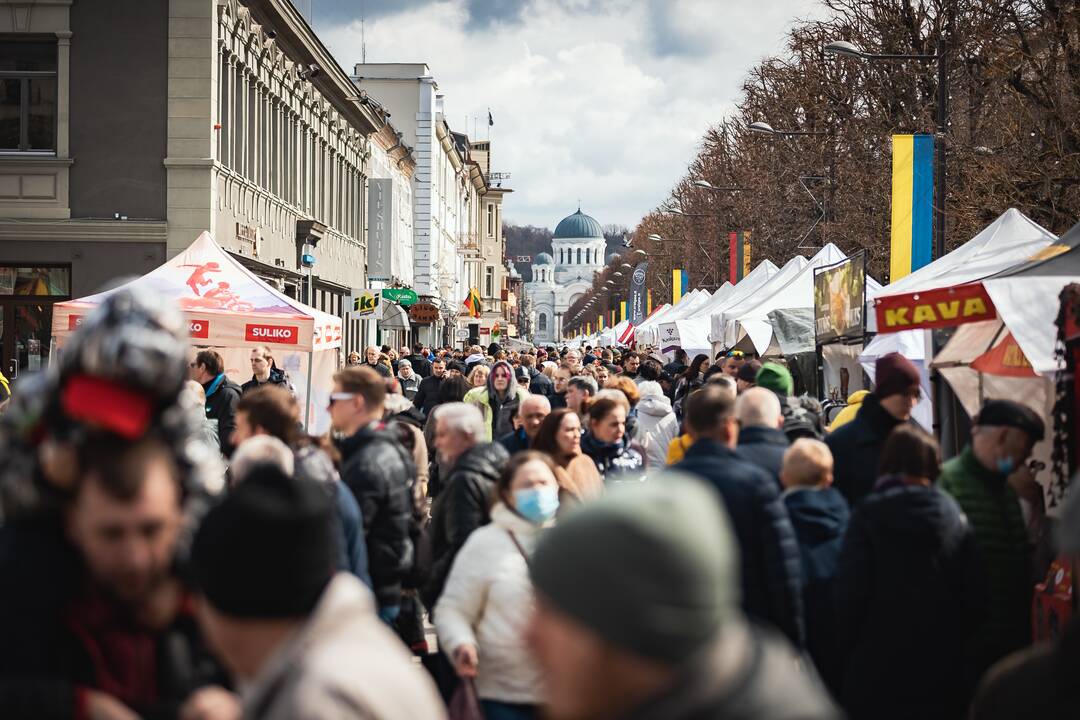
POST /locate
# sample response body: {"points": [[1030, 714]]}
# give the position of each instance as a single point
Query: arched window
{"points": [[541, 323], [579, 256]]}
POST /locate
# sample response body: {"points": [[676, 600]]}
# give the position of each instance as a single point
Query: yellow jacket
{"points": [[677, 448], [848, 414]]}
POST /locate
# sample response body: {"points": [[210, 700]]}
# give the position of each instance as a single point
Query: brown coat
{"points": [[343, 663], [579, 479]]}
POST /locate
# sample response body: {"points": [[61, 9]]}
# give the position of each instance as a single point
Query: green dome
{"points": [[544, 259], [578, 225]]}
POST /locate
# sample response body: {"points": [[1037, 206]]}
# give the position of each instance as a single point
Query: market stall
{"points": [[228, 308], [723, 321]]}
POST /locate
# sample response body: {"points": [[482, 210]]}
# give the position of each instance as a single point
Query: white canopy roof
{"points": [[723, 323]]}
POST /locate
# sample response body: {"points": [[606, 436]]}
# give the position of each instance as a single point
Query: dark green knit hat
{"points": [[651, 568], [775, 377]]}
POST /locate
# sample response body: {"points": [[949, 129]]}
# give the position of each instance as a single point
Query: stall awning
{"points": [[394, 318]]}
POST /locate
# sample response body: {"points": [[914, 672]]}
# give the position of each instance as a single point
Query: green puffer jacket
{"points": [[993, 509]]}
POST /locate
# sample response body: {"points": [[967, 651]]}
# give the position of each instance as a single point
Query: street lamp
{"points": [[764, 128], [842, 47], [706, 185], [655, 238]]}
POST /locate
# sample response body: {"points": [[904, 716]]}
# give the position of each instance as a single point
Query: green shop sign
{"points": [[402, 296]]}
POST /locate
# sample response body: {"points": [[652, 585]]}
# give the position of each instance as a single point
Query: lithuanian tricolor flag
{"points": [[912, 204], [472, 303]]}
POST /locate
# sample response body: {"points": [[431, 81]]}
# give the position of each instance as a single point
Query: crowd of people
{"points": [[561, 533]]}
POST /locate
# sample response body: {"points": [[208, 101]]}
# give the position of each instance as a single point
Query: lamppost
{"points": [[842, 47], [764, 128]]}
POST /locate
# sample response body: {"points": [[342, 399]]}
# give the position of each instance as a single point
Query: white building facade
{"points": [[558, 280]]}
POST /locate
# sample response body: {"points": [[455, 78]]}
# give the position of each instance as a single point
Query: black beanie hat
{"points": [[651, 568], [1008, 413], [267, 550]]}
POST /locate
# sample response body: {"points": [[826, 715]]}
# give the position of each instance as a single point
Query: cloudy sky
{"points": [[599, 100]]}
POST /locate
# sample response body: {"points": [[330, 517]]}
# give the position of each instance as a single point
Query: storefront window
{"points": [[35, 281]]}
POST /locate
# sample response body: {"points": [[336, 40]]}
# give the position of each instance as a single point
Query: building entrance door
{"points": [[27, 295]]}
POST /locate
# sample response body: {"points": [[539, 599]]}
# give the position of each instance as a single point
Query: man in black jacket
{"points": [[222, 394], [264, 371], [427, 395], [380, 473], [761, 441], [771, 577], [469, 487], [539, 383], [420, 364], [857, 446]]}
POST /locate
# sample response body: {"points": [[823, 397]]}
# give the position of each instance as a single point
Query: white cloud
{"points": [[605, 102]]}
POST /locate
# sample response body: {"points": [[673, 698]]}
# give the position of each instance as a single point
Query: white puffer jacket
{"points": [[487, 603], [657, 426]]}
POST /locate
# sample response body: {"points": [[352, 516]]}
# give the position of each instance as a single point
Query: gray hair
{"points": [[584, 382], [261, 450], [758, 407], [648, 388], [724, 381], [616, 395], [534, 400], [461, 417]]}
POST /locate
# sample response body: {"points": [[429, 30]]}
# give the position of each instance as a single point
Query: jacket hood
{"points": [[857, 397], [486, 459], [395, 404], [918, 513], [819, 515], [654, 405], [512, 388]]}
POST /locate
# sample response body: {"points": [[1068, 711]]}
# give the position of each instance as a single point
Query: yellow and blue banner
{"points": [[648, 303], [622, 310], [678, 285], [600, 321], [912, 204]]}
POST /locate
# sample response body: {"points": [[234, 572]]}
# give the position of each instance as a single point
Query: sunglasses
{"points": [[335, 397]]}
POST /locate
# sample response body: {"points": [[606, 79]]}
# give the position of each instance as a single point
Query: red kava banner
{"points": [[944, 307]]}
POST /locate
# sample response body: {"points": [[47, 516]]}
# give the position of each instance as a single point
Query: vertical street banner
{"points": [[648, 303], [738, 255], [639, 300], [600, 321], [622, 310], [912, 204], [380, 204], [678, 285]]}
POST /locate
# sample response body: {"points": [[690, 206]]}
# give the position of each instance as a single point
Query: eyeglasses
{"points": [[335, 397]]}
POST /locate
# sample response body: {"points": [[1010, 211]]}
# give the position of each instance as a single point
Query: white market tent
{"points": [[712, 314], [1010, 240], [723, 323], [667, 331], [230, 309], [646, 331]]}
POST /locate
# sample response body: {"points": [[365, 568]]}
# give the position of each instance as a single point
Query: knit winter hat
{"points": [[268, 549], [777, 378], [894, 374], [651, 568]]}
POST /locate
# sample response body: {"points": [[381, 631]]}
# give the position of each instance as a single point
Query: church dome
{"points": [[544, 259], [578, 225]]}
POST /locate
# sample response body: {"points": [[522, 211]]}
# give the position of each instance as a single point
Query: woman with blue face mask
{"points": [[481, 616]]}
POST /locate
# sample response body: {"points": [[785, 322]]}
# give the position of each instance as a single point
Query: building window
{"points": [[489, 281], [541, 323], [27, 96], [491, 220], [579, 256]]}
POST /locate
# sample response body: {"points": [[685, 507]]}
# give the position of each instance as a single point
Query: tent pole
{"points": [[307, 399]]}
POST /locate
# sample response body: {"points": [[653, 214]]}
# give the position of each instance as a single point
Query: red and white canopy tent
{"points": [[230, 309]]}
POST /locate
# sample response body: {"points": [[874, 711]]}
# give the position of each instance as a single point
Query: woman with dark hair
{"points": [[910, 591], [691, 379], [559, 437], [498, 400], [606, 441], [481, 615]]}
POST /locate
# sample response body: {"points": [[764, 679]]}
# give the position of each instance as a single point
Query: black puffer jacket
{"points": [[909, 595], [221, 406], [856, 448], [462, 506], [380, 473], [540, 384], [278, 378], [616, 462]]}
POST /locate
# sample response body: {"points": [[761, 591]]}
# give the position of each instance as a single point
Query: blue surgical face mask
{"points": [[1005, 465], [537, 504]]}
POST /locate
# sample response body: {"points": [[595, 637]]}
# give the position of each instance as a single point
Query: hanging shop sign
{"points": [[423, 313], [944, 307], [402, 296], [840, 300]]}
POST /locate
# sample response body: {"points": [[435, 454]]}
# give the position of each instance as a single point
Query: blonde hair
{"points": [[482, 369], [807, 463]]}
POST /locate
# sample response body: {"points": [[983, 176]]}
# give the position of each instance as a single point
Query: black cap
{"points": [[268, 549], [1007, 413]]}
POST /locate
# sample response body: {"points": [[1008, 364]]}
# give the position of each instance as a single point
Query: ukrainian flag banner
{"points": [[678, 285], [648, 303], [622, 310], [912, 204], [600, 321]]}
